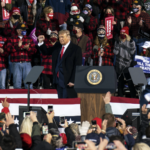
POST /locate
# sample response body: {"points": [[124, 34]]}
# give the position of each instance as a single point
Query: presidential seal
{"points": [[94, 77]]}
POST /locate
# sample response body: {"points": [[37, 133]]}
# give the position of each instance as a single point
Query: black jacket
{"points": [[14, 132], [71, 58], [24, 12], [70, 136]]}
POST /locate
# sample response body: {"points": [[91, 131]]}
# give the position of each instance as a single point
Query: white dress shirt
{"points": [[66, 46]]}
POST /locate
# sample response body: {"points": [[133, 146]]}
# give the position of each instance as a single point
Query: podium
{"points": [[91, 83]]}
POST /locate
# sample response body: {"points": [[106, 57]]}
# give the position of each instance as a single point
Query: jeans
{"points": [[63, 26], [2, 79], [138, 44], [20, 71], [10, 68]]}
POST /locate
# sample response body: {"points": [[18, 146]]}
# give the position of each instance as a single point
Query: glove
{"points": [[48, 32], [84, 128], [81, 19]]}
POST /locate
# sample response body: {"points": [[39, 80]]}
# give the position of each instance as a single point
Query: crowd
{"points": [[24, 24], [105, 133]]}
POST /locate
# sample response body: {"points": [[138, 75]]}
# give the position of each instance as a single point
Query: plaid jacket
{"points": [[4, 58], [134, 27], [42, 26], [90, 30], [106, 58], [121, 7], [18, 54], [47, 60]]}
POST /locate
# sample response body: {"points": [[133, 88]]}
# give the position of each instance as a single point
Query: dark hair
{"points": [[147, 132], [116, 137], [8, 143], [111, 119]]}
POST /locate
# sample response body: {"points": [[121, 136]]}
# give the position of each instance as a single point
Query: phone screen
{"points": [[45, 129], [26, 114], [94, 122], [62, 120], [111, 146], [50, 109]]}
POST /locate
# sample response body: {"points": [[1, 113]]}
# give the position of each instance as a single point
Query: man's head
{"points": [[111, 119], [137, 6], [64, 37], [140, 146], [88, 7], [8, 142], [21, 29]]}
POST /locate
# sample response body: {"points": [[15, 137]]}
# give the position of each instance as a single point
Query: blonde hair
{"points": [[26, 126], [13, 20], [47, 10], [111, 9], [64, 32], [100, 42], [141, 146]]}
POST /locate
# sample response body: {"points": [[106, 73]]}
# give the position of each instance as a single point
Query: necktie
{"points": [[61, 55]]}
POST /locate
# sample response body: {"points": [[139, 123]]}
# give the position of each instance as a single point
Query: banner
{"points": [[143, 63], [33, 36], [6, 13], [109, 27]]}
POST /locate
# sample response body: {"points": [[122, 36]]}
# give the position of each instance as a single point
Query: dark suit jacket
{"points": [[71, 58]]}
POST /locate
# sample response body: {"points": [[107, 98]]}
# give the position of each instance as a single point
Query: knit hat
{"points": [[125, 30], [94, 137], [21, 26], [88, 6], [75, 129], [137, 2], [15, 9], [26, 141], [78, 24], [64, 137], [75, 9], [98, 121]]}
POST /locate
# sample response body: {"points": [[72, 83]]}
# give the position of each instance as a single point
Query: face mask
{"points": [[85, 12], [31, 1], [108, 15], [74, 31], [23, 33], [16, 17], [50, 15], [122, 36], [53, 39], [101, 36], [135, 10]]}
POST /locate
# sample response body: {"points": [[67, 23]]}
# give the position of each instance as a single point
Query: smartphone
{"points": [[45, 129], [79, 145], [62, 120], [93, 122], [26, 114], [50, 109], [111, 146], [71, 149]]}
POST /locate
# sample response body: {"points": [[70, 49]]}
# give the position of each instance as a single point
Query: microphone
{"points": [[95, 49]]}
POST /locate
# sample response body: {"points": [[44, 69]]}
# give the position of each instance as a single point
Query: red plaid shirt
{"points": [[121, 7], [3, 58], [42, 26], [19, 54], [88, 51], [106, 58], [47, 60], [90, 30], [134, 27]]}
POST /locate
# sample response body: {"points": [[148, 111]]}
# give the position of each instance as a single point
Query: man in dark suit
{"points": [[65, 57]]}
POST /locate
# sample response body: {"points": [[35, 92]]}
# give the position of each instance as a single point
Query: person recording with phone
{"points": [[104, 53]]}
